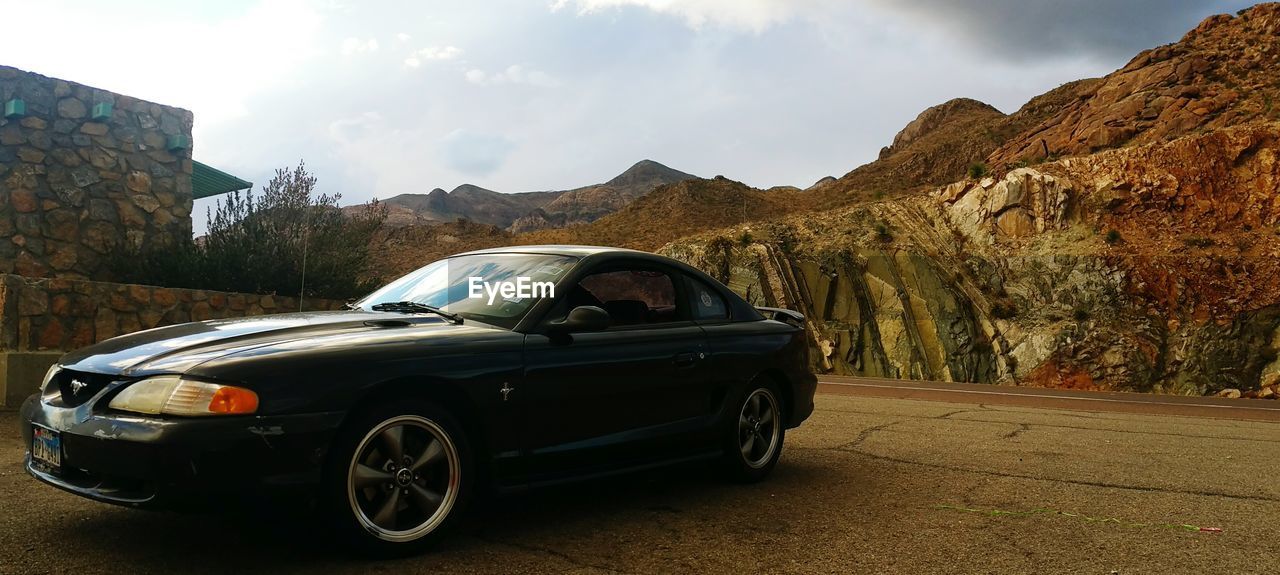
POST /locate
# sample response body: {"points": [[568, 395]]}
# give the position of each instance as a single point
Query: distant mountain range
{"points": [[529, 211]]}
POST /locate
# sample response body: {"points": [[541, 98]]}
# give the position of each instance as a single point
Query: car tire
{"points": [[397, 478], [754, 432]]}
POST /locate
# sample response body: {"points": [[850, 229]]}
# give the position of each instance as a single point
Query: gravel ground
{"points": [[868, 485]]}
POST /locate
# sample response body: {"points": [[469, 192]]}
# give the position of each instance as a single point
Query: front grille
{"points": [[76, 387]]}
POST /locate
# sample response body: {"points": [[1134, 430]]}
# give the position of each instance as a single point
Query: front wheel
{"points": [[753, 439], [398, 477]]}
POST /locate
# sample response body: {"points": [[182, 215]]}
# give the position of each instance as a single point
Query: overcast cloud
{"points": [[384, 98]]}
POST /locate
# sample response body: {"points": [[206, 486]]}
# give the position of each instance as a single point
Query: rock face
{"points": [[1222, 73], [941, 145], [1020, 280], [529, 211], [74, 186]]}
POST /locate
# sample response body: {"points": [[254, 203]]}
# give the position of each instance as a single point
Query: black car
{"points": [[503, 369]]}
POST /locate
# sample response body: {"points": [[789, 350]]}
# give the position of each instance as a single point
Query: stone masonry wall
{"points": [[60, 314], [72, 188]]}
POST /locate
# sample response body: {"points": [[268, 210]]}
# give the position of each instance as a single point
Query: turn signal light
{"points": [[233, 400]]}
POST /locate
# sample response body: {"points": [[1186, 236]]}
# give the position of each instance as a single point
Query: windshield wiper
{"points": [[415, 307]]}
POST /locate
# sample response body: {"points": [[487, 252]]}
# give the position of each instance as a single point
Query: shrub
{"points": [[288, 240], [977, 170], [1004, 310], [1113, 237], [882, 232], [1199, 241]]}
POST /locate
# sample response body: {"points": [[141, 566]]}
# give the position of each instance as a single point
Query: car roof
{"points": [[558, 250]]}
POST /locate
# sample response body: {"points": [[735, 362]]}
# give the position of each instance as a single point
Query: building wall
{"points": [[74, 189], [59, 314]]}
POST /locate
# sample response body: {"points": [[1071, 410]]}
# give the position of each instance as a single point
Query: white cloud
{"points": [[357, 46], [514, 74], [750, 15], [403, 37], [432, 53]]}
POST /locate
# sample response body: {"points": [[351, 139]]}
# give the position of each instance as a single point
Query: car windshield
{"points": [[497, 289]]}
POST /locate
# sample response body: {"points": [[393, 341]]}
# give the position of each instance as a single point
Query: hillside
{"points": [[1155, 268], [673, 211], [1223, 73], [941, 144], [397, 250], [525, 211]]}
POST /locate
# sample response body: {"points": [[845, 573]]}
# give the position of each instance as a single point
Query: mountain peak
{"points": [[648, 172], [935, 117]]}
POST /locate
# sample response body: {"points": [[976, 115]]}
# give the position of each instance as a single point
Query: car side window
{"points": [[631, 296], [706, 303]]}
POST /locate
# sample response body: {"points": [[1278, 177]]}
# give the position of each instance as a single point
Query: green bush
{"points": [[287, 240], [883, 233], [1113, 237], [977, 170], [1199, 241]]}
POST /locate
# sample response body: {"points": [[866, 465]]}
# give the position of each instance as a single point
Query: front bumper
{"points": [[144, 461]]}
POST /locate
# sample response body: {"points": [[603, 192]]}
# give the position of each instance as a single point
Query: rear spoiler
{"points": [[783, 315]]}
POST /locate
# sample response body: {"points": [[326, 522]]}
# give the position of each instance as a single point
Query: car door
{"points": [[623, 396]]}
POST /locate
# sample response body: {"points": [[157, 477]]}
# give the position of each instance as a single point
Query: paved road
{"points": [[1115, 402], [869, 484]]}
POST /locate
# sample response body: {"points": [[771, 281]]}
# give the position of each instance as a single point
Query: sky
{"points": [[381, 98]]}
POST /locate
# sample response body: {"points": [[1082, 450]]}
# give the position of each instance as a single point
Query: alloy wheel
{"points": [[404, 478], [758, 429]]}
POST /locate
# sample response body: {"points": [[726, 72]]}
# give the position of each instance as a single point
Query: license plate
{"points": [[46, 447]]}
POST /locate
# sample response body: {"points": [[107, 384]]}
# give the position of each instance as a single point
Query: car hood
{"points": [[178, 348]]}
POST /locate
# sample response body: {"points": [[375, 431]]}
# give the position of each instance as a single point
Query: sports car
{"points": [[482, 373]]}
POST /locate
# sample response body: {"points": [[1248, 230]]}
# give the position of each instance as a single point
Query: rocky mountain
{"points": [[467, 202], [526, 211], [1222, 73], [1155, 268], [673, 211], [590, 203], [941, 145]]}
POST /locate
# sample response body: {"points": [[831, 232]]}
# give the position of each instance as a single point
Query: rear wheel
{"points": [[398, 477], [753, 438]]}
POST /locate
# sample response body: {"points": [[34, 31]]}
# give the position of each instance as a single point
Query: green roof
{"points": [[209, 181]]}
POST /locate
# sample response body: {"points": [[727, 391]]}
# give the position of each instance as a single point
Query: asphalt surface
{"points": [[948, 482]]}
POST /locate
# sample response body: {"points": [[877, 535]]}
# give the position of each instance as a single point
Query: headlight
{"points": [[172, 395], [48, 377]]}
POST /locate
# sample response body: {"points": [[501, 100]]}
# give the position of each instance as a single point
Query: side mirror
{"points": [[582, 319]]}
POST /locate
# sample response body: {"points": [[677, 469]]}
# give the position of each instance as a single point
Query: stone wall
{"points": [[73, 187], [59, 314]]}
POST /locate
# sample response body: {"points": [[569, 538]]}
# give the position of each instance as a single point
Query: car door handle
{"points": [[687, 359]]}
